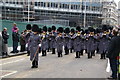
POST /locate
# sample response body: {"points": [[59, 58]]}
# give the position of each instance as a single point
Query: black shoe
{"points": [[36, 66], [12, 52], [33, 67], [101, 58], [112, 78], [28, 54]]}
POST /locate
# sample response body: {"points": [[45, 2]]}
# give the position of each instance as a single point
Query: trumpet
{"points": [[43, 35], [78, 34]]}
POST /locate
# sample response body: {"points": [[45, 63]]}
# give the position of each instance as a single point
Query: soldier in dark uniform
{"points": [[103, 44], [86, 35], [59, 41], [83, 41], [49, 38], [44, 44], [77, 42], [34, 42], [40, 34], [90, 43], [72, 40], [66, 41], [27, 36], [53, 39]]}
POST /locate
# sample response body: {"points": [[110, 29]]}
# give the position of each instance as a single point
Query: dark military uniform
{"points": [[53, 39], [77, 42], [90, 43], [59, 41], [72, 40], [34, 42], [44, 43], [27, 35], [67, 41]]}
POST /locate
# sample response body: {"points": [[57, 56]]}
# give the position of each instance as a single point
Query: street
{"points": [[53, 67]]}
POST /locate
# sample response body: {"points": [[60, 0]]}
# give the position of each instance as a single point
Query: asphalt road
{"points": [[53, 67]]}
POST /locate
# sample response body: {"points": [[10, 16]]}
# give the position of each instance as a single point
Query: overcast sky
{"points": [[117, 1]]}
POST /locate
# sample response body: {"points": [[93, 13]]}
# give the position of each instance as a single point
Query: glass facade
{"points": [[72, 11]]}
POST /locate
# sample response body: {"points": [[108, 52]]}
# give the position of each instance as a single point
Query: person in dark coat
{"points": [[5, 37], [49, 38], [44, 43], [72, 40], [53, 39], [22, 42], [34, 42], [82, 41], [15, 38], [77, 42], [103, 44], [90, 43], [66, 41], [27, 35], [59, 41], [1, 44], [86, 35], [113, 52]]}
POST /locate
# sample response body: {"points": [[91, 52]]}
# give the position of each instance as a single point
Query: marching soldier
{"points": [[53, 39], [86, 35], [44, 44], [77, 42], [49, 38], [90, 43], [27, 36], [59, 40], [103, 44], [34, 42], [83, 41], [67, 41], [72, 40]]}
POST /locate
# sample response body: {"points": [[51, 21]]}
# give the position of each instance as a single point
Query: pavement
{"points": [[14, 54], [51, 66]]}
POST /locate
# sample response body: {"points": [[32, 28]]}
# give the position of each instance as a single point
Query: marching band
{"points": [[77, 40]]}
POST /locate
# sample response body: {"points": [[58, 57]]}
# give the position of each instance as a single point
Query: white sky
{"points": [[117, 1]]}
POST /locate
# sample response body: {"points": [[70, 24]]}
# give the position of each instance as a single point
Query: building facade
{"points": [[119, 13], [72, 12], [110, 14]]}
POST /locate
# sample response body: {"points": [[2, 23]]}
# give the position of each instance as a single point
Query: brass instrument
{"points": [[91, 33], [43, 35], [79, 33]]}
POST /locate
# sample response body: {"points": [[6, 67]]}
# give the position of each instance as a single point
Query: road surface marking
{"points": [[11, 72], [12, 62]]}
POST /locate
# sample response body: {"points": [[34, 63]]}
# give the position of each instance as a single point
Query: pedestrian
{"points": [[15, 38], [34, 42], [22, 42], [27, 35], [44, 43], [113, 52], [5, 37], [66, 41], [59, 41]]}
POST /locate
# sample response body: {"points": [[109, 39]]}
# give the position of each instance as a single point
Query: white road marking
{"points": [[12, 62], [4, 59], [11, 72]]}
